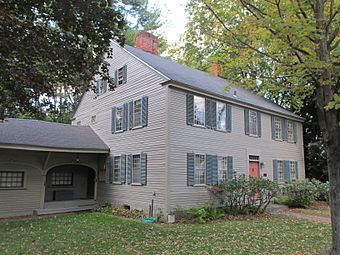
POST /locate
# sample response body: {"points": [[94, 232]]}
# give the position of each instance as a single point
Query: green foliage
{"points": [[243, 195], [322, 190], [201, 214], [50, 43], [299, 193]]}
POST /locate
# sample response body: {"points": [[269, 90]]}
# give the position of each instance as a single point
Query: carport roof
{"points": [[49, 136]]}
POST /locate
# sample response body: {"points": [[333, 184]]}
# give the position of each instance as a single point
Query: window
{"points": [[280, 171], [222, 168], [254, 158], [12, 179], [120, 76], [253, 123], [292, 170], [278, 129], [62, 179], [119, 118], [116, 172], [137, 113], [93, 119], [200, 169], [221, 116], [78, 123], [199, 111], [102, 86], [136, 169], [290, 131]]}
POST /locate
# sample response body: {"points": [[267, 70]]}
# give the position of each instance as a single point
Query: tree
{"points": [[289, 48], [48, 47]]}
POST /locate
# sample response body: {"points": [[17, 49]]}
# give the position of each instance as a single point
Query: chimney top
{"points": [[147, 42], [215, 69]]}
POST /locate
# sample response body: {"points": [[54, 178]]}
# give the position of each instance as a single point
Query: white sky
{"points": [[174, 17]]}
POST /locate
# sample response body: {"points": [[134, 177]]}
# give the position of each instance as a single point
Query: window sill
{"points": [[13, 188], [117, 183], [278, 140], [255, 136], [200, 185], [137, 127], [119, 131], [136, 184]]}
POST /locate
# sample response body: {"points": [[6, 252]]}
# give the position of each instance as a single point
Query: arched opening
{"points": [[70, 183]]}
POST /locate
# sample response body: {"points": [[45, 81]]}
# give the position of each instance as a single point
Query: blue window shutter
{"points": [[213, 114], [246, 121], [144, 111], [190, 109], [97, 87], [259, 124], [275, 172], [230, 167], [190, 169], [113, 120], [229, 118], [143, 169], [273, 127], [112, 169], [122, 168], [284, 129], [108, 166], [129, 169], [124, 73], [125, 116], [116, 78], [130, 118], [208, 167], [214, 165], [294, 132], [296, 170], [286, 170], [104, 86]]}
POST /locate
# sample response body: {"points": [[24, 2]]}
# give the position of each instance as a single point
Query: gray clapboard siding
{"points": [[141, 81], [184, 138]]}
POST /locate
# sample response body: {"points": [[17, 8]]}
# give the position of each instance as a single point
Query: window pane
{"points": [[137, 113], [290, 129], [136, 169], [222, 168], [280, 170], [116, 173], [199, 169], [253, 122], [120, 76], [119, 118], [11, 179], [292, 170], [278, 129], [199, 110], [221, 116], [62, 178]]}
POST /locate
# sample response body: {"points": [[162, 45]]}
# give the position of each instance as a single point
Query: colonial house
{"points": [[164, 134]]}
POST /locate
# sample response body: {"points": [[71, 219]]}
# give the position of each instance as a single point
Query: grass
{"points": [[95, 233], [316, 209]]}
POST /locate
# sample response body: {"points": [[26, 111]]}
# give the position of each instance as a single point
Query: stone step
{"points": [[63, 210]]}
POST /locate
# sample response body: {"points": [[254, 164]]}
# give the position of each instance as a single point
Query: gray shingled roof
{"points": [[195, 79], [42, 134]]}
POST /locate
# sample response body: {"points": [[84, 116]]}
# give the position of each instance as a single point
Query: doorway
{"points": [[254, 166]]}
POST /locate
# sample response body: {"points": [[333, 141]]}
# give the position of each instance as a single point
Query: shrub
{"points": [[201, 214], [132, 214], [243, 195], [300, 193], [322, 190]]}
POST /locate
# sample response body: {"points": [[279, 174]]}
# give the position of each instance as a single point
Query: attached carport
{"points": [[48, 167]]}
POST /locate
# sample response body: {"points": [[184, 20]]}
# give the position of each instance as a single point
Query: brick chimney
{"points": [[215, 69], [147, 42]]}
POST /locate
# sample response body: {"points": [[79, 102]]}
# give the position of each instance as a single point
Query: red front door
{"points": [[254, 169]]}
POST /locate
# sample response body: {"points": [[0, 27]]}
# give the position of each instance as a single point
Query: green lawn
{"points": [[95, 233]]}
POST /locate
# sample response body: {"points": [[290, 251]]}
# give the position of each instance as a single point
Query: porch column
{"points": [[43, 191]]}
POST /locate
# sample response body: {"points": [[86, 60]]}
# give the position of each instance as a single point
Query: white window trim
{"points": [[290, 140], [141, 114], [24, 182], [278, 172], [281, 129], [198, 125], [256, 125], [140, 160], [225, 128], [205, 171], [114, 158], [219, 168], [292, 176], [122, 119]]}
